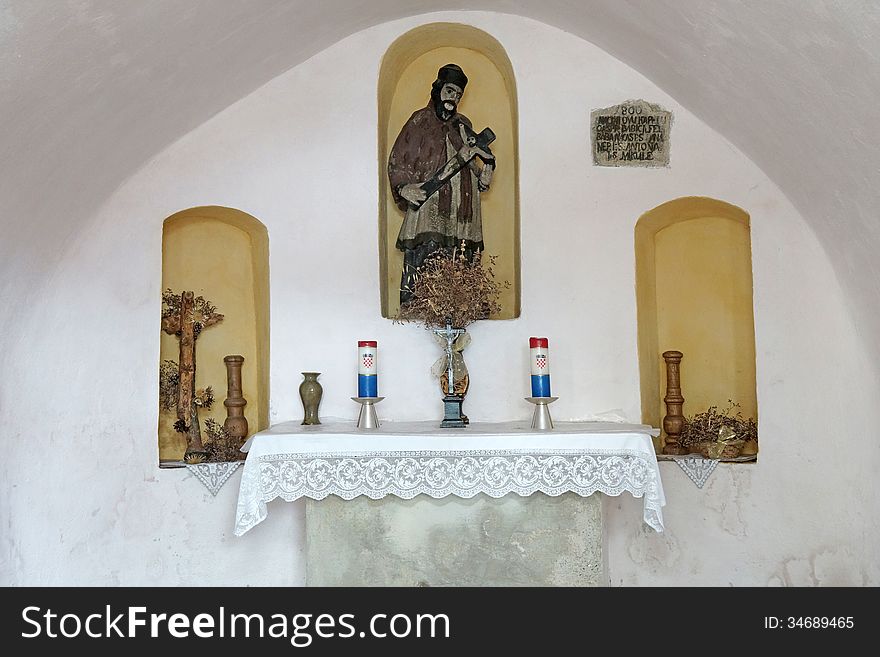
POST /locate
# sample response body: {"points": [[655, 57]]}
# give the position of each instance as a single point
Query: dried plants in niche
{"points": [[723, 431], [449, 286]]}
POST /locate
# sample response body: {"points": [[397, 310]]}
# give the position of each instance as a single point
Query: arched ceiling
{"points": [[92, 89]]}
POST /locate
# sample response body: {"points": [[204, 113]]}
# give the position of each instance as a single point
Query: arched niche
{"points": [[408, 68], [694, 295], [221, 254]]}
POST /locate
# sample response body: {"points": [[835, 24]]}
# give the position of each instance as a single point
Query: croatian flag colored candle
{"points": [[367, 370], [540, 364]]}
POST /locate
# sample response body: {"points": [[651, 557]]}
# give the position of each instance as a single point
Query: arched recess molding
{"points": [[694, 295], [408, 69], [221, 254]]}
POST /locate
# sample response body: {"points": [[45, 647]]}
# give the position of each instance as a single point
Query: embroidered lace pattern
{"points": [[463, 474], [213, 475]]}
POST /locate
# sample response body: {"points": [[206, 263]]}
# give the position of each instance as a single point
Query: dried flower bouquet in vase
{"points": [[449, 292]]}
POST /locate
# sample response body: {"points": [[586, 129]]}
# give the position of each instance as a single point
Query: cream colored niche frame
{"points": [[483, 58], [230, 268]]}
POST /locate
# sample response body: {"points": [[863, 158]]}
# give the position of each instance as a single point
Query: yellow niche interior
{"points": [[408, 69], [694, 295], [221, 254]]}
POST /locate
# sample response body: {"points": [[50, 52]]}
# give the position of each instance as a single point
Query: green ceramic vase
{"points": [[310, 391]]}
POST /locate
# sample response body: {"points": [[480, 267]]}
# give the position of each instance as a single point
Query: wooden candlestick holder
{"points": [[673, 423], [236, 424]]}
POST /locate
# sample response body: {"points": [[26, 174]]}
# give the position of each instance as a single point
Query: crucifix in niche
{"points": [[186, 316]]}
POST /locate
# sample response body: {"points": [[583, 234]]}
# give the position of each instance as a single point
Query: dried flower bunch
{"points": [[221, 447], [204, 312], [717, 426], [169, 384], [449, 286], [170, 303]]}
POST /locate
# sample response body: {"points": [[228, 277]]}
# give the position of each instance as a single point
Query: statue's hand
{"points": [[413, 193], [485, 178]]}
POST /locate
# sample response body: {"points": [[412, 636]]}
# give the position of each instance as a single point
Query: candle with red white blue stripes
{"points": [[540, 366], [367, 370]]}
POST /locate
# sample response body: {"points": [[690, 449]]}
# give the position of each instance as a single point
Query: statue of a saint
{"points": [[436, 178]]}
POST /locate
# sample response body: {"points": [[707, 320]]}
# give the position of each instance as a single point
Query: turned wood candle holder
{"points": [[236, 424], [673, 423]]}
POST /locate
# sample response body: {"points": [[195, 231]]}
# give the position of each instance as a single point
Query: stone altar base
{"points": [[510, 541]]}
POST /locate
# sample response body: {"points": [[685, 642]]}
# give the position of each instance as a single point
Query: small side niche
{"points": [[694, 295], [222, 255]]}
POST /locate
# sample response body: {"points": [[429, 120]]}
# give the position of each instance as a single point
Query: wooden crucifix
{"points": [[186, 317]]}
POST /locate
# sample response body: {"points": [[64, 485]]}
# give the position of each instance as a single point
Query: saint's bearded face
{"points": [[447, 100]]}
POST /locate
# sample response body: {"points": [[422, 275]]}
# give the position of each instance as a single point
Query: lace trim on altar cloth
{"points": [[213, 475], [462, 474], [697, 469]]}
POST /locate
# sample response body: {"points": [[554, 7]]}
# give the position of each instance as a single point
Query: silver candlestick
{"points": [[541, 420], [367, 418]]}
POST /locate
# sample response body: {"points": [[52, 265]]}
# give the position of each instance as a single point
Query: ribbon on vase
{"points": [[726, 437]]}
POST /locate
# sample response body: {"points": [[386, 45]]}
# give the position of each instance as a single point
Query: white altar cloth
{"points": [[405, 459]]}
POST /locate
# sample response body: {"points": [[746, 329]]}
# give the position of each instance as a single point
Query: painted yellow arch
{"points": [[694, 295], [222, 254]]}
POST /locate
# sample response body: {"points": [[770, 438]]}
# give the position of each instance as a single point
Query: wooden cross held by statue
{"points": [[476, 144]]}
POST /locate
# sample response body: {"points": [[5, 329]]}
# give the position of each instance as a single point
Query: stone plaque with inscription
{"points": [[632, 134]]}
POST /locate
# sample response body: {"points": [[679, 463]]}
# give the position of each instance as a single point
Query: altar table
{"points": [[406, 459]]}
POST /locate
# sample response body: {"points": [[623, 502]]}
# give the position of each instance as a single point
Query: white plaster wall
{"points": [[84, 503]]}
